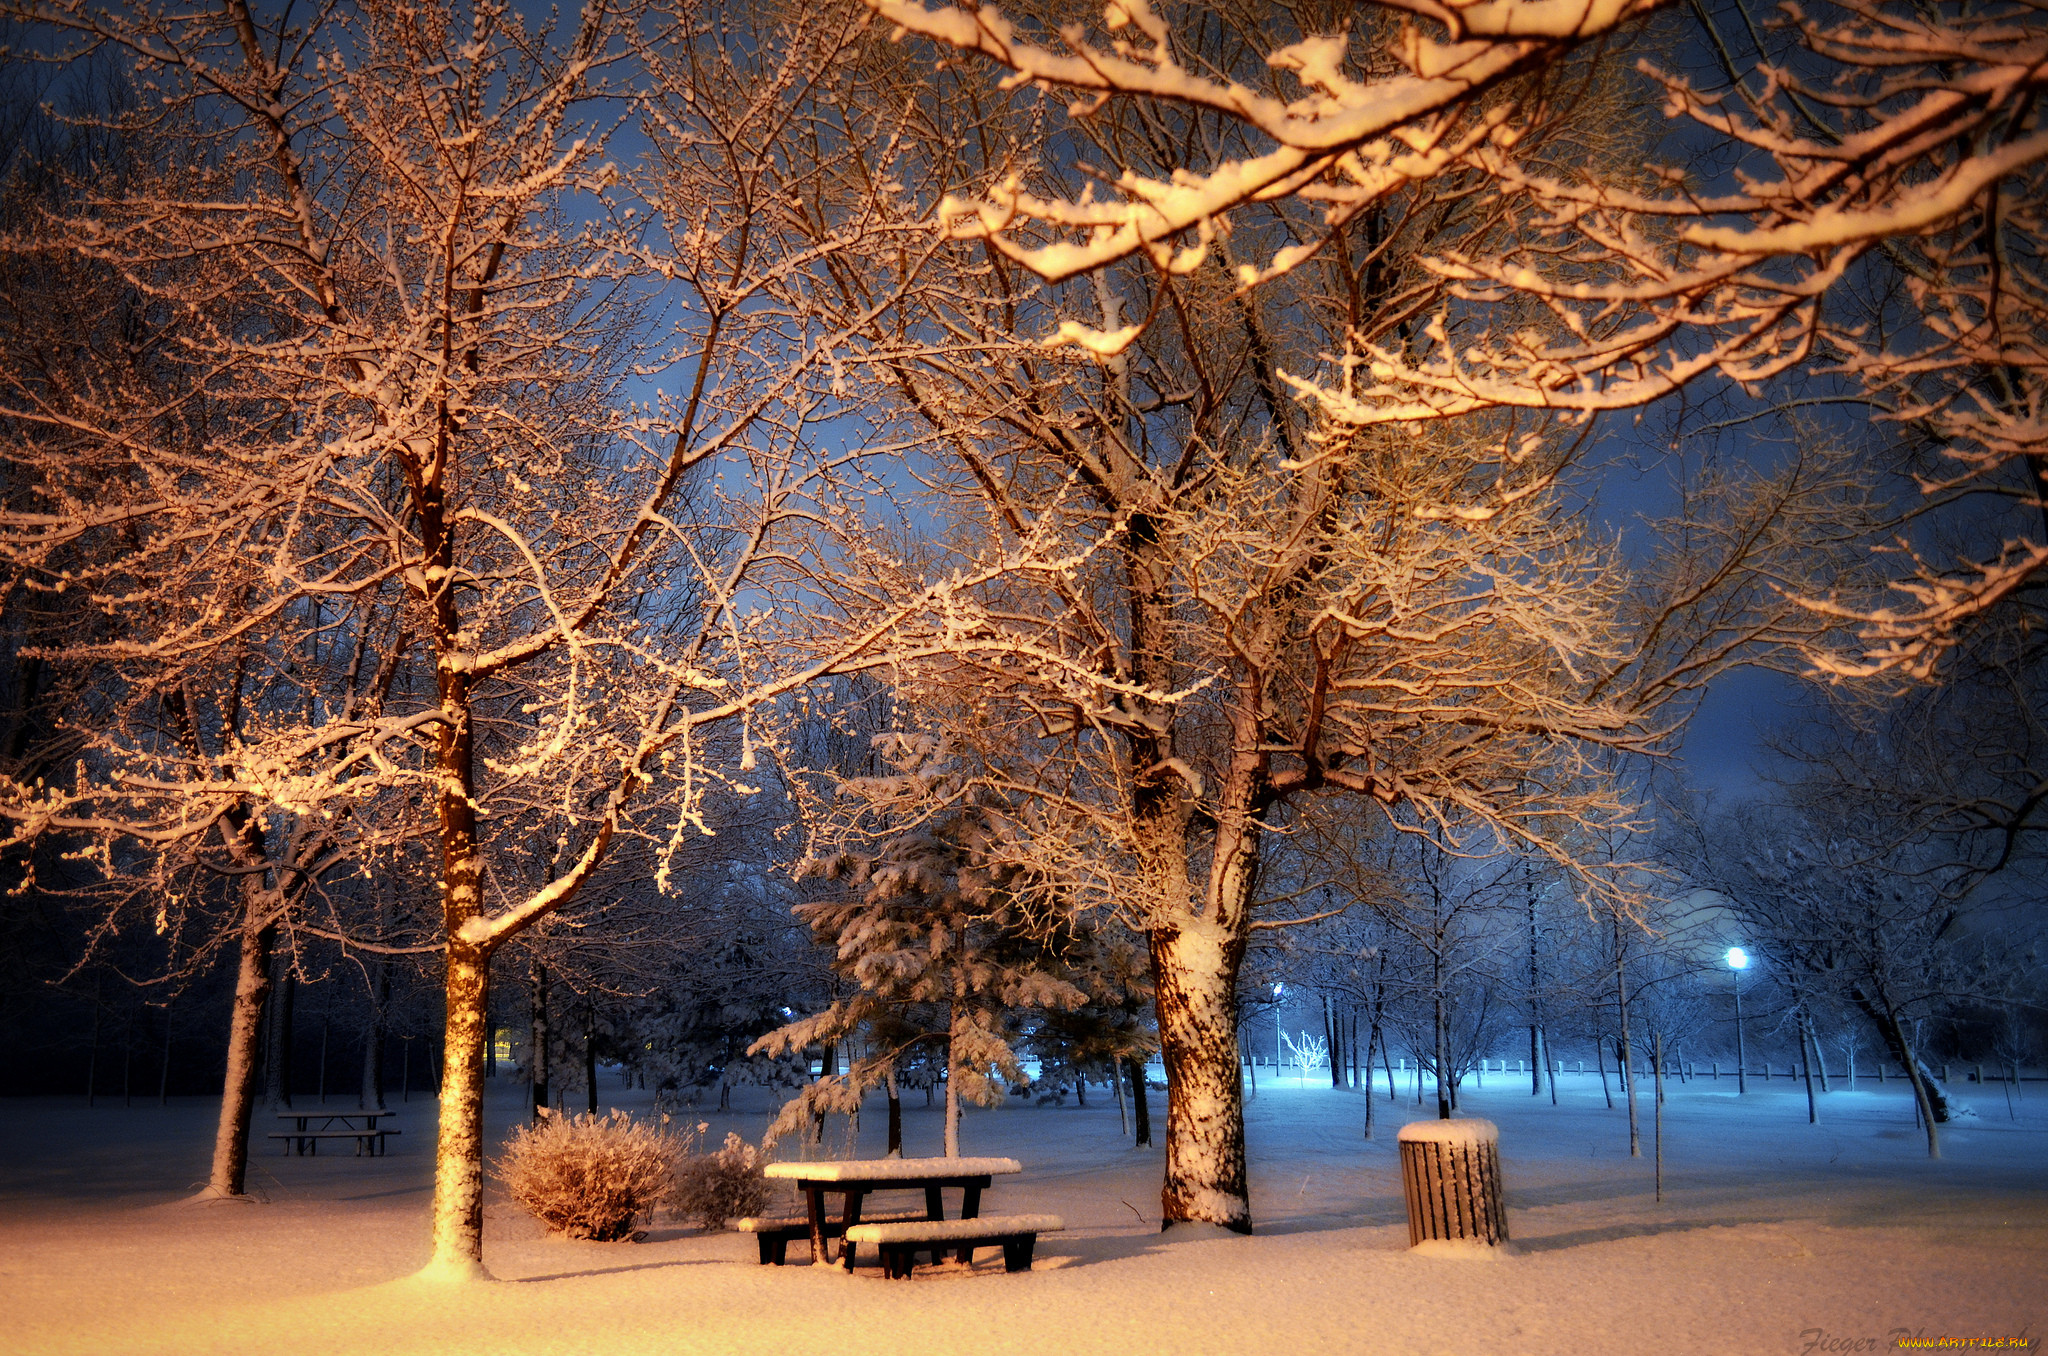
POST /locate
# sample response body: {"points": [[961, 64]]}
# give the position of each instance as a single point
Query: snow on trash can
{"points": [[1450, 1173]]}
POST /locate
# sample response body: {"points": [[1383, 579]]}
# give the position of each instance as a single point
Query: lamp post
{"points": [[1279, 1034], [1738, 961]]}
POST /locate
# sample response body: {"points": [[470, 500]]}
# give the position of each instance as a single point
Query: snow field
{"points": [[1771, 1229]]}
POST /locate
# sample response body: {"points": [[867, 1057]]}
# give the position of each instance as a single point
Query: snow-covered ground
{"points": [[1774, 1236]]}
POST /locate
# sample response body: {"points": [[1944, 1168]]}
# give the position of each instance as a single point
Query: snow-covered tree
{"points": [[1221, 605], [1873, 208], [1201, 606], [1110, 1036], [1834, 883], [419, 297], [944, 930], [736, 978]]}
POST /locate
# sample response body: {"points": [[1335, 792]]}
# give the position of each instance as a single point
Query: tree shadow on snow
{"points": [[581, 1272], [421, 1189], [1368, 1215], [1610, 1233]]}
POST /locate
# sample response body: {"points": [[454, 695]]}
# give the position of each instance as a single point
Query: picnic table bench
{"points": [[303, 1138], [901, 1242], [774, 1234], [855, 1179]]}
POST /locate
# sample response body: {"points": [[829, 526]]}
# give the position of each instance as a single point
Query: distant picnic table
{"points": [[304, 1137], [853, 1179]]}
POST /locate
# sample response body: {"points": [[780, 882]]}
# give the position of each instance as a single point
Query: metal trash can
{"points": [[1450, 1173]]}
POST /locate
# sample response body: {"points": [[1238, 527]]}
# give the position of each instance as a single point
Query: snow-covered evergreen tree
{"points": [[940, 928]]}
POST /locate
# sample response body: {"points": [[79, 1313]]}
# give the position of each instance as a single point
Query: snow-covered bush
{"points": [[590, 1176], [713, 1188]]}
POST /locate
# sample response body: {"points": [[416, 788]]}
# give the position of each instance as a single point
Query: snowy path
{"points": [[1770, 1229]]}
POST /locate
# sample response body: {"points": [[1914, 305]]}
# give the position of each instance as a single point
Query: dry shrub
{"points": [[713, 1188], [590, 1176]]}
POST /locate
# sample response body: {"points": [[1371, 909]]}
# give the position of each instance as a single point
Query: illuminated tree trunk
{"points": [[1195, 966], [537, 1041], [229, 1175], [459, 1139], [459, 1135], [953, 1085]]}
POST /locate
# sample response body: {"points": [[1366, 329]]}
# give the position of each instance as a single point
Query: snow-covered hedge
{"points": [[590, 1176], [713, 1188]]}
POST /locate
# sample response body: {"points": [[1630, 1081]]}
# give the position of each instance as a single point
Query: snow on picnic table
{"points": [[1774, 1234], [892, 1169]]}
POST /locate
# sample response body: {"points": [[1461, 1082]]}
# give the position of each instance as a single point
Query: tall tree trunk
{"points": [[1351, 1049], [1921, 1079], [590, 1053], [229, 1174], [1625, 1074], [1333, 1036], [459, 1130], [955, 1018], [1628, 1068], [1195, 966], [1123, 1109], [1443, 1048], [459, 1136], [1657, 1056], [1806, 1067], [1600, 1062], [163, 1077], [537, 1041], [895, 1115], [1141, 1105], [278, 1074], [370, 1097], [1536, 1051], [1372, 1038], [1891, 1028]]}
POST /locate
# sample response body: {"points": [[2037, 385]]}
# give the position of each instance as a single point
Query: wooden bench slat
{"points": [[952, 1230], [774, 1235], [759, 1225], [900, 1243]]}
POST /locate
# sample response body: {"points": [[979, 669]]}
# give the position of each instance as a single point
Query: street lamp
{"points": [[1279, 1034], [1738, 961]]}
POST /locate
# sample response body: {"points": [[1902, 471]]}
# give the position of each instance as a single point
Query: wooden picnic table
{"points": [[854, 1178], [304, 1136]]}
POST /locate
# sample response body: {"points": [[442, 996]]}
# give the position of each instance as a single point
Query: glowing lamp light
{"points": [[1738, 959]]}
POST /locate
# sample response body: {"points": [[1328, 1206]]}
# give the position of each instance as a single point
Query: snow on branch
{"points": [[1354, 141]]}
